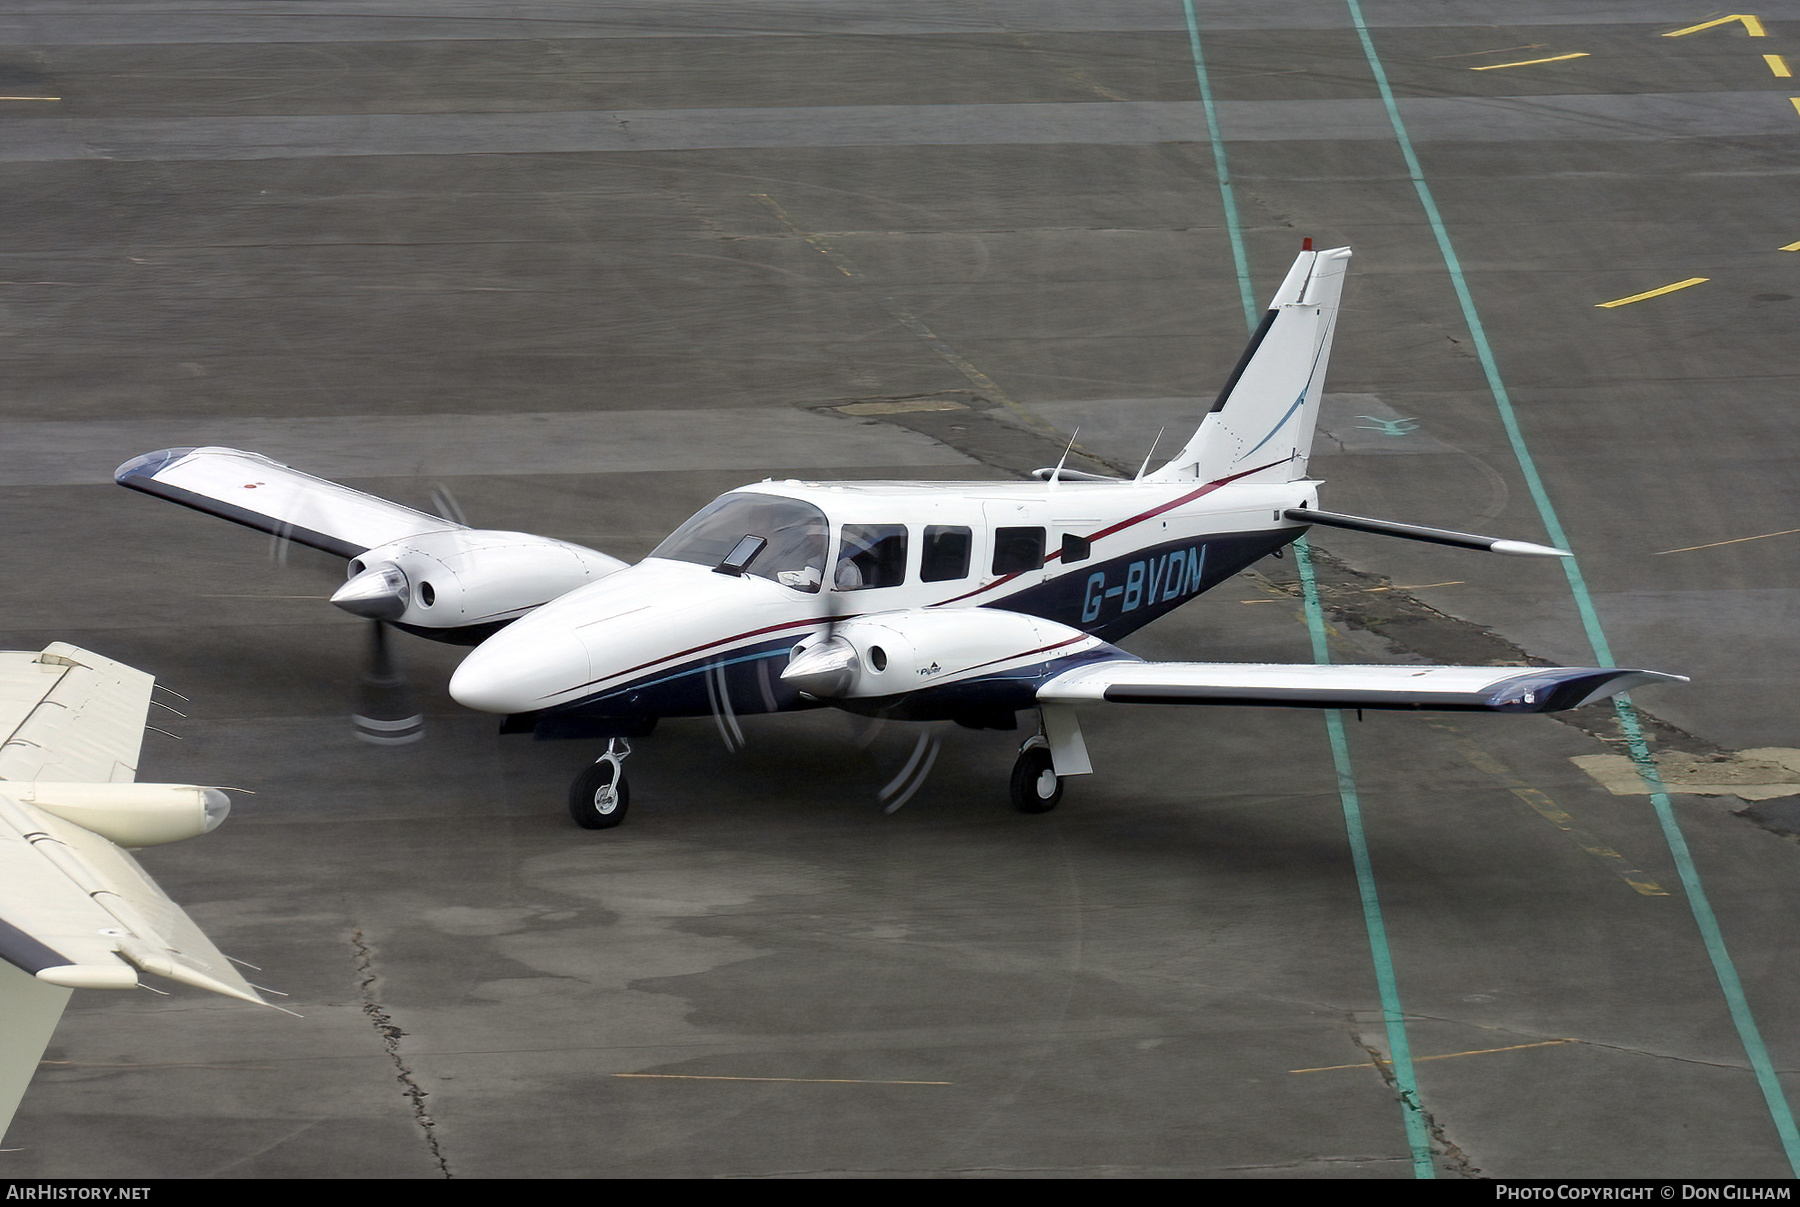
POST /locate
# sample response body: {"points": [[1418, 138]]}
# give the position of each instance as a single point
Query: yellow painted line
{"points": [[1751, 25], [803, 1080], [1739, 540], [1553, 813], [1416, 587], [1796, 102], [1792, 247], [1528, 62], [1370, 1064], [1469, 54], [1654, 293], [30, 98], [1778, 65]]}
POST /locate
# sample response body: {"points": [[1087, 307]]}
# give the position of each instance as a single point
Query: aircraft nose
{"points": [[521, 668]]}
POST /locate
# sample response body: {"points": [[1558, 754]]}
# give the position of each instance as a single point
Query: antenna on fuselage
{"points": [[1146, 465], [1056, 476]]}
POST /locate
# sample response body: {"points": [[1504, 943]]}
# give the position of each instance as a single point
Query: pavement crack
{"points": [[1445, 1153], [391, 1035]]}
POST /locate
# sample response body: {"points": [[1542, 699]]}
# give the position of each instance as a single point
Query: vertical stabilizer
{"points": [[1261, 427]]}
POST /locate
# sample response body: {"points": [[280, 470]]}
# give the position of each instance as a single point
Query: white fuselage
{"points": [[1100, 557]]}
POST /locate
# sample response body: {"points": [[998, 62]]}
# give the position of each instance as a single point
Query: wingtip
{"points": [[148, 465]]}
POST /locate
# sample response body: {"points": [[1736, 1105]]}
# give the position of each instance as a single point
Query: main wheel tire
{"points": [[1036, 788], [596, 801]]}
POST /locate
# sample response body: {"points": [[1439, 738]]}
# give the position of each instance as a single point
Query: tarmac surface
{"points": [[585, 267]]}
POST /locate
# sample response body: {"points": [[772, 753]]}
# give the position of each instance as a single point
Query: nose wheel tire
{"points": [[599, 796], [1036, 788]]}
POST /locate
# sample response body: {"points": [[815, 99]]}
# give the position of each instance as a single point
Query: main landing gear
{"points": [[600, 795], [1036, 788]]}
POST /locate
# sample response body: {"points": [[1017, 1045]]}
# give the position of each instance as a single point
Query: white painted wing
{"points": [[70, 715], [77, 911], [251, 489], [70, 899], [1435, 688]]}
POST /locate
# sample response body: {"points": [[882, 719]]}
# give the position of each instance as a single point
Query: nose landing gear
{"points": [[600, 795]]}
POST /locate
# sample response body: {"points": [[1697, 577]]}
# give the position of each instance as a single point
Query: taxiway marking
{"points": [[799, 1080], [1791, 247], [1580, 54], [1730, 984], [1751, 25], [1553, 813], [1738, 540], [1778, 65], [1370, 1064], [1470, 54], [1404, 1083], [1653, 293]]}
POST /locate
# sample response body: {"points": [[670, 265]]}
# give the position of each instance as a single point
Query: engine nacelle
{"points": [[132, 815], [892, 653], [466, 576]]}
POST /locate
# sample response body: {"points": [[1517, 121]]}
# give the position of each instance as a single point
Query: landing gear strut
{"points": [[1036, 788], [600, 795]]}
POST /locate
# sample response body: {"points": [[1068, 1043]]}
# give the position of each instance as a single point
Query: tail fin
{"points": [[1261, 428]]}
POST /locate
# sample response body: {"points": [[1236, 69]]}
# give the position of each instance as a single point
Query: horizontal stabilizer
{"points": [[252, 490], [1417, 532], [1432, 688]]}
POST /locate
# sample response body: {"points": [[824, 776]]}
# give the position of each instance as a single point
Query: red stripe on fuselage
{"points": [[1159, 509]]}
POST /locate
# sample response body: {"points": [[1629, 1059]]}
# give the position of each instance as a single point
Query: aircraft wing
{"points": [[1435, 688], [260, 493], [76, 911], [72, 903], [71, 716]]}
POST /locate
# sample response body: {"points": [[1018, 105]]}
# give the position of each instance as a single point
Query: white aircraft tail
{"points": [[1261, 427]]}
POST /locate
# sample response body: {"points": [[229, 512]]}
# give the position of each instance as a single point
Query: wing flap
{"points": [[260, 493], [75, 717], [81, 912], [1433, 688]]}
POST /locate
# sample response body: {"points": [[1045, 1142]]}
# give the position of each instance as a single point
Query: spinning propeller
{"points": [[829, 665]]}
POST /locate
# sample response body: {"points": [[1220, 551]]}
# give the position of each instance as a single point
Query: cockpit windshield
{"points": [[797, 534]]}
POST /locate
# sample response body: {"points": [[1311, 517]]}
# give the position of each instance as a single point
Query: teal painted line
{"points": [[1246, 293], [1723, 967], [1418, 1135]]}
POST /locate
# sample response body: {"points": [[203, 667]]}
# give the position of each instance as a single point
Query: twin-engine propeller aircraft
{"points": [[76, 911], [921, 601]]}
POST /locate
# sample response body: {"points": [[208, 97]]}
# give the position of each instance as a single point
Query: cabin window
{"points": [[871, 555], [796, 533], [1017, 550], [946, 553], [1075, 548]]}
